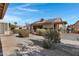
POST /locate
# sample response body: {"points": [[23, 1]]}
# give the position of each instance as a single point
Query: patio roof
{"points": [[3, 8]]}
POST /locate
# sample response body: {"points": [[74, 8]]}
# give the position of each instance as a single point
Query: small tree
{"points": [[15, 23], [41, 20], [12, 27], [52, 37]]}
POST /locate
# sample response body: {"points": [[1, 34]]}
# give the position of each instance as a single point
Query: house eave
{"points": [[3, 8]]}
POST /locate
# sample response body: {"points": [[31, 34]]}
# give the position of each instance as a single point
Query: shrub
{"points": [[16, 31], [23, 33], [72, 30], [52, 37], [46, 44], [41, 32], [12, 26]]}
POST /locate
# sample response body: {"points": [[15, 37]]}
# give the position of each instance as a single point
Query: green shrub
{"points": [[41, 32], [46, 44], [73, 30], [12, 26], [23, 33], [16, 31], [52, 37]]}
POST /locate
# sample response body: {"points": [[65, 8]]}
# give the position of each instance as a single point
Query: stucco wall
{"points": [[3, 28], [48, 26]]}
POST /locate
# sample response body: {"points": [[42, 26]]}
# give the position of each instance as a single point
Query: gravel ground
{"points": [[32, 46], [70, 36]]}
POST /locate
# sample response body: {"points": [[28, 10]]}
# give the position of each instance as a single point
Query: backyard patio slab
{"points": [[8, 45]]}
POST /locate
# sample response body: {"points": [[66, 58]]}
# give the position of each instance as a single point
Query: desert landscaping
{"points": [[38, 36], [32, 46]]}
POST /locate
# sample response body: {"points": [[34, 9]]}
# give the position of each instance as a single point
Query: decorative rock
{"points": [[34, 53]]}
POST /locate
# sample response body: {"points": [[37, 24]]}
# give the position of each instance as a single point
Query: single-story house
{"points": [[55, 23], [76, 26]]}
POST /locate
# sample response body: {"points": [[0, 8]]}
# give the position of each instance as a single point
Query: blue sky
{"points": [[29, 12]]}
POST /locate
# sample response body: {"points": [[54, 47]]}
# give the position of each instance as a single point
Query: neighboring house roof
{"points": [[75, 25], [3, 8], [49, 21], [77, 22], [57, 21], [54, 19]]}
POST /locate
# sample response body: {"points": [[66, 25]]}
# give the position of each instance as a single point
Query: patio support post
{"points": [[8, 26]]}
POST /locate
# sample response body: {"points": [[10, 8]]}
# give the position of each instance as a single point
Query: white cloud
{"points": [[14, 16], [20, 6], [21, 9], [25, 5], [28, 9]]}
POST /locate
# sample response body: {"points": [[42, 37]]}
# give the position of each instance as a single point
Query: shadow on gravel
{"points": [[68, 48], [61, 50], [65, 48], [37, 42]]}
